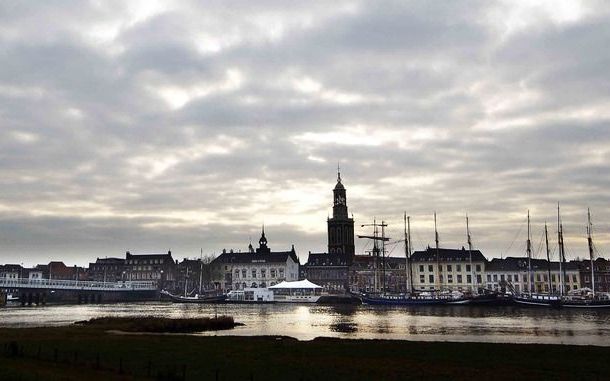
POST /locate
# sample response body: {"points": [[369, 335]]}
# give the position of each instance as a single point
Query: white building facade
{"points": [[448, 269], [512, 273], [254, 269]]}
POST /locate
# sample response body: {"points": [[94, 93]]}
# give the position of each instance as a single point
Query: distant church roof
{"points": [[262, 254]]}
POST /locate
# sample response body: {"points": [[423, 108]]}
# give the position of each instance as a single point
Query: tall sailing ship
{"points": [[532, 298], [587, 299]]}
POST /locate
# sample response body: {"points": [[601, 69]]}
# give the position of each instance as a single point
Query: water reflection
{"points": [[305, 322]]}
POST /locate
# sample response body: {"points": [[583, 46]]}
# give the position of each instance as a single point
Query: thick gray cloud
{"points": [[149, 126]]}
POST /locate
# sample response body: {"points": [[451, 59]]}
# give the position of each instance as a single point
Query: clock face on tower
{"points": [[339, 200]]}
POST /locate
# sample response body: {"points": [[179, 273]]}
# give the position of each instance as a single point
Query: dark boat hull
{"points": [[535, 302], [404, 301], [586, 304], [484, 300]]}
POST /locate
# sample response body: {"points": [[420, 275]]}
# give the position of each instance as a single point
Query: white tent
{"points": [[302, 284]]}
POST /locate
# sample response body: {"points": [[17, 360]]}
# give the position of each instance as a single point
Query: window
{"points": [[430, 269], [263, 273], [431, 278], [468, 268], [478, 267], [243, 273], [459, 278], [495, 277], [489, 277], [281, 273], [272, 272], [450, 278], [479, 279], [237, 275], [421, 268], [574, 279], [469, 278], [422, 278], [237, 286], [448, 268], [458, 268], [253, 273], [537, 277]]}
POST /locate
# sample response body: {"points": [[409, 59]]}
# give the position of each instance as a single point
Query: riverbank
{"points": [[85, 352]]}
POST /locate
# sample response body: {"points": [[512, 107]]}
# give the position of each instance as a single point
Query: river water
{"points": [[305, 322]]}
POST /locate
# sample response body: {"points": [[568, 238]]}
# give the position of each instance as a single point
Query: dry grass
{"points": [[160, 324]]}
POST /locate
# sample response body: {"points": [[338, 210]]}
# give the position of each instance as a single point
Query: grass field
{"points": [[90, 353]]}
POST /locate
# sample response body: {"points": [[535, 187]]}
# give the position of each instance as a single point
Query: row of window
{"points": [[449, 268], [241, 286], [102, 267], [263, 273], [459, 278], [539, 287], [145, 261], [538, 277]]}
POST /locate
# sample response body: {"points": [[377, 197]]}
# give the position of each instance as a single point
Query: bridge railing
{"points": [[76, 284]]}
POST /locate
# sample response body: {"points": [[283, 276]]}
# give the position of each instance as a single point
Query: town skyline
{"points": [[148, 126], [395, 247]]}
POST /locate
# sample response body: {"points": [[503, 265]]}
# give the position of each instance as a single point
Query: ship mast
{"points": [[375, 237], [529, 255], [472, 274], [438, 266], [561, 253], [409, 272], [383, 225], [200, 271], [548, 256], [590, 240]]}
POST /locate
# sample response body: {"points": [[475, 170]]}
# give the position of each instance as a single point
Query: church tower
{"points": [[340, 226]]}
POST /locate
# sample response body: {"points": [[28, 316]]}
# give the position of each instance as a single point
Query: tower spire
{"points": [[338, 173]]}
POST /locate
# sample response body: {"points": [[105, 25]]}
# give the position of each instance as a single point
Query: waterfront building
{"points": [[602, 274], [451, 269], [502, 274], [366, 274], [255, 268], [158, 267], [59, 270], [331, 270], [107, 270], [10, 271]]}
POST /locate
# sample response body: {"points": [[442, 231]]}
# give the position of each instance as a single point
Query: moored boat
{"points": [[537, 300], [587, 297], [251, 296], [195, 299]]}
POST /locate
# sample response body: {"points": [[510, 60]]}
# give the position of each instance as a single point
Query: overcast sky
{"points": [[150, 125]]}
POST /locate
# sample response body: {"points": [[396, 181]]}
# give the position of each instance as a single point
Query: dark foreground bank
{"points": [[90, 353]]}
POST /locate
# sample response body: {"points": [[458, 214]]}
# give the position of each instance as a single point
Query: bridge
{"points": [[39, 291]]}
